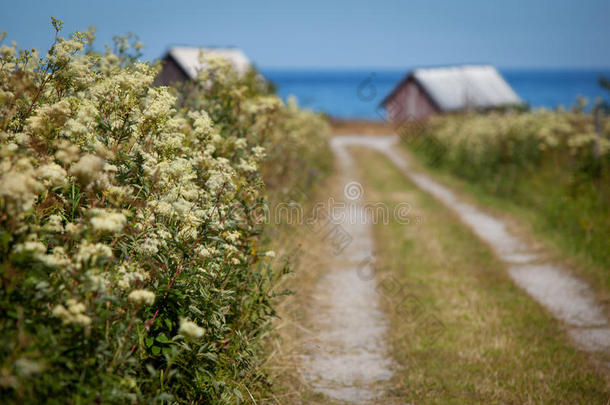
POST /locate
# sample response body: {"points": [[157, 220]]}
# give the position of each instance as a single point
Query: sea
{"points": [[357, 94]]}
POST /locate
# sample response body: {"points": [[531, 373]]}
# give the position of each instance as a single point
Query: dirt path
{"points": [[349, 359], [566, 297]]}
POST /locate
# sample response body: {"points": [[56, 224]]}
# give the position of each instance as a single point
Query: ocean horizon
{"points": [[357, 93]]}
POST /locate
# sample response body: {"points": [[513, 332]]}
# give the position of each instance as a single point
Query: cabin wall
{"points": [[170, 73], [409, 102]]}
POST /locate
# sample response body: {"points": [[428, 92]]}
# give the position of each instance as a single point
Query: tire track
{"points": [[566, 297], [351, 360]]}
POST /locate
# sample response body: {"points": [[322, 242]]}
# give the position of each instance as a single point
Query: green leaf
{"points": [[162, 338]]}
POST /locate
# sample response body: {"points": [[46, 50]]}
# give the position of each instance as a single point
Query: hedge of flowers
{"points": [[132, 267], [483, 145]]}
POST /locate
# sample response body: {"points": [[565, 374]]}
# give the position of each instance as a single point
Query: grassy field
{"points": [[461, 332]]}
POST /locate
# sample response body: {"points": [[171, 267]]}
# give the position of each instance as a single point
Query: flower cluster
{"points": [[129, 265]]}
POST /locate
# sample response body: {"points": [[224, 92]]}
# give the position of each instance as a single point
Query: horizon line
{"points": [[410, 67]]}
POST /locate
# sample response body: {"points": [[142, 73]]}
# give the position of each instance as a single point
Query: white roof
{"points": [[189, 58], [456, 88]]}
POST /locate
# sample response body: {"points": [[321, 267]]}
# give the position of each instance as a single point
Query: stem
{"points": [[36, 96]]}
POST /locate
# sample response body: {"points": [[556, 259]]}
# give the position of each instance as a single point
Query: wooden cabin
{"points": [[182, 63], [425, 92]]}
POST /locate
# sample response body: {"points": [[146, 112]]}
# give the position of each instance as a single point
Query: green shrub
{"points": [[131, 267]]}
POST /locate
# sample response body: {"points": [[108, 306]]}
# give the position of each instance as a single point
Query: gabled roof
{"points": [[188, 57], [461, 87]]}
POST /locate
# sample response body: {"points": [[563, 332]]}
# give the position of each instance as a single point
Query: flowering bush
{"points": [[483, 145], [131, 264], [243, 106]]}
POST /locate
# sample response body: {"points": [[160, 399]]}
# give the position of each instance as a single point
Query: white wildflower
{"points": [[229, 248], [34, 247], [190, 329], [22, 139], [75, 307], [6, 50], [67, 152], [162, 208], [117, 194], [107, 221], [73, 228], [140, 297], [190, 194], [233, 236], [19, 187], [110, 167], [259, 152], [87, 168], [74, 314], [127, 277], [241, 143], [61, 312], [98, 281], [53, 173], [182, 206], [202, 252], [54, 224], [215, 181], [188, 232], [57, 259], [82, 320], [27, 367], [247, 166], [93, 251], [150, 246]]}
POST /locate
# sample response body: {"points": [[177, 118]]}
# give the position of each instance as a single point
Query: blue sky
{"points": [[341, 34]]}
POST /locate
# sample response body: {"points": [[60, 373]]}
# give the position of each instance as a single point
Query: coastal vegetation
{"points": [[133, 262], [143, 251]]}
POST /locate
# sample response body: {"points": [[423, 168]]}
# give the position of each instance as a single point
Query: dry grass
{"points": [[293, 334], [361, 127]]}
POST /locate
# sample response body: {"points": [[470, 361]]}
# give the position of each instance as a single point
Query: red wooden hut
{"points": [[424, 92]]}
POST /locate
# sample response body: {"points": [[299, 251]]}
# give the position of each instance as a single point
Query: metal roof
{"points": [[188, 57], [460, 87]]}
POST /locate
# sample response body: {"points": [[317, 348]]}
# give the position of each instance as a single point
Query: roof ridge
{"points": [[456, 87], [206, 46]]}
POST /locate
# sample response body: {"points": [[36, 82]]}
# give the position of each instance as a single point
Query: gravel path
{"points": [[350, 361], [566, 297]]}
